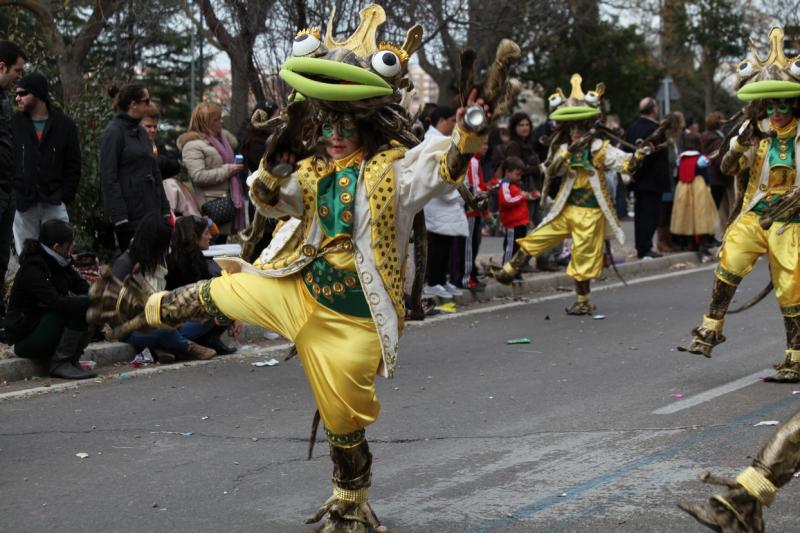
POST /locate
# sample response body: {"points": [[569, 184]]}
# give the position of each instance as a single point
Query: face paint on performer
{"points": [[342, 138], [576, 132], [779, 113]]}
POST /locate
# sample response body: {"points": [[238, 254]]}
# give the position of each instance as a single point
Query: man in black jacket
{"points": [[12, 62], [649, 182], [48, 159]]}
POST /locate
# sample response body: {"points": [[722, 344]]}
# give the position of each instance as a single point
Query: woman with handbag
{"points": [[208, 156]]}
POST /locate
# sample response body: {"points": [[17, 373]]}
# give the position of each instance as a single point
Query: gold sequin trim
{"points": [[757, 485], [353, 496], [152, 309], [713, 324]]}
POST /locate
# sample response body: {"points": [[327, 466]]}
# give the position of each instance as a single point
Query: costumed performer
{"points": [[763, 155], [739, 509], [340, 163], [583, 208]]}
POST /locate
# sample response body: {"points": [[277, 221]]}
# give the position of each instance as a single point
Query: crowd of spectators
{"points": [[166, 207]]}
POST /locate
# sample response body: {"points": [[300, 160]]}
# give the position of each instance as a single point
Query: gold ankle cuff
{"points": [[792, 356], [152, 309], [713, 324], [354, 496], [582, 298], [757, 485]]}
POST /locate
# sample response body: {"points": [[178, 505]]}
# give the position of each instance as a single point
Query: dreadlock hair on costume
{"points": [[376, 131]]}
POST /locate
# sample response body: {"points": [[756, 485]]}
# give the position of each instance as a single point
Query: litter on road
{"points": [[82, 455], [768, 423], [523, 340], [268, 362], [677, 395]]}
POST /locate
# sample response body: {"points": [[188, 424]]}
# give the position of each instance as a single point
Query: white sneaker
{"points": [[452, 289], [437, 290]]}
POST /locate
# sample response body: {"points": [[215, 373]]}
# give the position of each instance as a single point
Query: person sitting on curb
{"points": [[148, 250], [46, 319], [186, 264]]}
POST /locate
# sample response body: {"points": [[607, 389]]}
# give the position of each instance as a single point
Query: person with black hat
{"points": [[48, 159]]}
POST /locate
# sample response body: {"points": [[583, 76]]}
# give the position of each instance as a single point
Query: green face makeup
{"points": [[782, 109], [344, 131]]}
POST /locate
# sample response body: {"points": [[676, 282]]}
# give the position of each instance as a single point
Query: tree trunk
{"points": [[71, 81], [448, 93], [708, 88], [240, 92]]}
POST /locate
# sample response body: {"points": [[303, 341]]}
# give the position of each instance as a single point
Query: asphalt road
{"points": [[562, 434]]}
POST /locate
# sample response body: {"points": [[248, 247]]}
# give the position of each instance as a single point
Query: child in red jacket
{"points": [[513, 203]]}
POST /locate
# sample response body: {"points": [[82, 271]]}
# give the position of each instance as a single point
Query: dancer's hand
{"points": [[472, 99]]}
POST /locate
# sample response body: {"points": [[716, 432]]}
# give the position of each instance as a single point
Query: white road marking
{"points": [[507, 305], [716, 392]]}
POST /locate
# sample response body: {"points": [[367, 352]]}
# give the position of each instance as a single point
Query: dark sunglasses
{"points": [[23, 93], [144, 100]]}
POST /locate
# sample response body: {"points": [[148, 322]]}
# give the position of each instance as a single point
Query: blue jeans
{"points": [[172, 340]]}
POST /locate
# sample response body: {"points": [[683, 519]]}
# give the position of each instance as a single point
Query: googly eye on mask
{"points": [[304, 44], [744, 69], [386, 63]]}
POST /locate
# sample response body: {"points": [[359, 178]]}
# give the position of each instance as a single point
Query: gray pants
{"points": [[27, 223]]}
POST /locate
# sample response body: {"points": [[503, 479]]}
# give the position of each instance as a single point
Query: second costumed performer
{"points": [[763, 154], [583, 208], [332, 279]]}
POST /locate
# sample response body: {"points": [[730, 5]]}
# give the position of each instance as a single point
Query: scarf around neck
{"points": [[222, 146], [61, 260]]}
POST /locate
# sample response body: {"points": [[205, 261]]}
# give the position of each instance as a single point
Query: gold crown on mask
{"points": [[313, 31], [362, 41], [577, 97], [777, 76], [776, 56]]}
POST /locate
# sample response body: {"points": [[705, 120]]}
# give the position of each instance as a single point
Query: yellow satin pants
{"points": [[340, 353], [586, 226], [745, 241]]}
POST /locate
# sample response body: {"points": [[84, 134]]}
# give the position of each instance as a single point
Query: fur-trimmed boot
{"points": [[348, 509], [789, 370], [739, 510], [510, 270], [709, 333], [582, 305]]}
